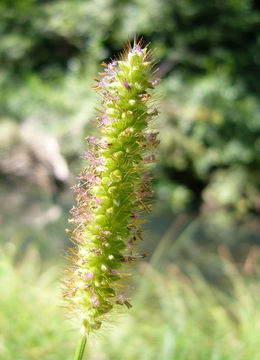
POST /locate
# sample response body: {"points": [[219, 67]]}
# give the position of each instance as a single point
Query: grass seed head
{"points": [[113, 189]]}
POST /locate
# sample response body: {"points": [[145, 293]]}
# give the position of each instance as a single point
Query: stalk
{"points": [[81, 348]]}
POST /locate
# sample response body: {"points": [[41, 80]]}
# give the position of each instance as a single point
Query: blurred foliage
{"points": [[175, 316], [209, 54], [32, 323], [212, 142]]}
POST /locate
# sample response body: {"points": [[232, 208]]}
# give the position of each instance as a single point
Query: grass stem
{"points": [[81, 347]]}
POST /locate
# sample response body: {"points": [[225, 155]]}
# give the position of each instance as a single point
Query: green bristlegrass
{"points": [[113, 192]]}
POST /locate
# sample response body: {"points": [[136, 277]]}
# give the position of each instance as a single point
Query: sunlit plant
{"points": [[113, 191]]}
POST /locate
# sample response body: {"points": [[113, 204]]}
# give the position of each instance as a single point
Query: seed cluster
{"points": [[113, 190]]}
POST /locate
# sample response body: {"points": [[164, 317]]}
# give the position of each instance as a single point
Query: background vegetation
{"points": [[197, 296]]}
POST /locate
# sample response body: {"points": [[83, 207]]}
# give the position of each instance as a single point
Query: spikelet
{"points": [[113, 190]]}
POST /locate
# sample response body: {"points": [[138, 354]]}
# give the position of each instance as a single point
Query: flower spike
{"points": [[113, 189]]}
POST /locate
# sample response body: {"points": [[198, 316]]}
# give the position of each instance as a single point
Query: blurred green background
{"points": [[197, 295]]}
